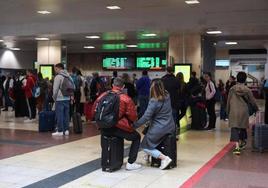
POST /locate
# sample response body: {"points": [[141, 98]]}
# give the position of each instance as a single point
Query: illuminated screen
{"points": [[151, 62], [222, 63], [185, 69], [123, 63], [47, 71]]}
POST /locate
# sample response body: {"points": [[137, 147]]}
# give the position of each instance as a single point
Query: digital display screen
{"points": [[123, 63], [156, 61], [47, 71], [185, 69], [222, 63]]}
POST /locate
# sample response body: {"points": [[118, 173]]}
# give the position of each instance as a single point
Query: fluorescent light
{"points": [[191, 2], [215, 44], [41, 38], [231, 43], [15, 49], [149, 35], [93, 37], [113, 7], [89, 47], [1, 40], [213, 32], [132, 46], [43, 12]]}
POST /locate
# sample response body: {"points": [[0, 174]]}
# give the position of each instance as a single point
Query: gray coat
{"points": [[161, 122]]}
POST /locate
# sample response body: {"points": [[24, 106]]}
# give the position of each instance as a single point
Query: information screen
{"points": [[122, 63], [47, 71], [185, 69], [155, 61]]}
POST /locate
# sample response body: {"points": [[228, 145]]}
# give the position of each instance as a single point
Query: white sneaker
{"points": [[146, 158], [57, 134], [165, 162], [29, 120], [66, 133], [133, 166]]}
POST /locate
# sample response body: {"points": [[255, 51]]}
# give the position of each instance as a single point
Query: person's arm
{"points": [[252, 100], [212, 91], [56, 87], [131, 112]]}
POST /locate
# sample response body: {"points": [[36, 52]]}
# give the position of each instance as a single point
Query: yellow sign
{"points": [[185, 69], [47, 71]]}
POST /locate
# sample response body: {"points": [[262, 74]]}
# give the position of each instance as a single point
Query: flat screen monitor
{"points": [[222, 63], [47, 71], [151, 61], [185, 69], [118, 63]]}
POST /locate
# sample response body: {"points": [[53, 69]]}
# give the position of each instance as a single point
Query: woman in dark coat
{"points": [[159, 114]]}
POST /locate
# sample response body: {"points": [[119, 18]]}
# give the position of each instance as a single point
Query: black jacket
{"points": [[172, 85]]}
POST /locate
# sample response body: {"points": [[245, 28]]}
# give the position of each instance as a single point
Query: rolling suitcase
{"points": [[112, 153], [260, 137], [169, 148], [47, 121], [199, 117], [77, 123]]}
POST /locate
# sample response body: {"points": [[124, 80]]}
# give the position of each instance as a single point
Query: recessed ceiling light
{"points": [[93, 37], [43, 12], [1, 40], [41, 38], [214, 32], [15, 49], [231, 43], [215, 44], [149, 35], [113, 7], [132, 46], [89, 47], [191, 2]]}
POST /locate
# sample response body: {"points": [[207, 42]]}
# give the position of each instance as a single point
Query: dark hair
{"points": [[209, 74], [241, 77], [145, 73], [170, 70], [115, 73], [60, 66], [194, 74], [30, 71], [40, 76], [74, 70]]}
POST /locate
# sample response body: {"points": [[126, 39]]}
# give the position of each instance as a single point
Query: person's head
{"points": [[145, 73], [220, 81], [157, 90], [119, 83], [125, 78], [29, 72], [207, 76], [193, 74], [180, 77], [115, 74], [241, 77], [95, 74], [232, 78], [58, 67], [170, 70], [74, 70], [40, 76], [134, 75]]}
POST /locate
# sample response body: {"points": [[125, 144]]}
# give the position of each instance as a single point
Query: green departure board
{"points": [[157, 63], [118, 63]]}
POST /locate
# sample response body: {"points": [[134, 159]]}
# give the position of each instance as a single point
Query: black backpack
{"points": [[107, 110]]}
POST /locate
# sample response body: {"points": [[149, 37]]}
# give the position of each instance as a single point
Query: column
{"points": [[266, 65], [49, 52]]}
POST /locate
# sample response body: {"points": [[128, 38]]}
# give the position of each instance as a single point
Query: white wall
{"points": [[17, 59], [222, 74]]}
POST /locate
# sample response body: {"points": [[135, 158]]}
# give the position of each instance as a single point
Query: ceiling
{"points": [[71, 20]]}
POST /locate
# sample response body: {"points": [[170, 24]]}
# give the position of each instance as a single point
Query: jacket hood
{"points": [[64, 73], [240, 89]]}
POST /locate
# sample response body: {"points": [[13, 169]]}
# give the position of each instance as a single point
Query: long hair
{"points": [[157, 90]]}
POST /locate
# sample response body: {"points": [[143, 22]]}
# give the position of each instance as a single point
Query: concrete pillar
{"points": [[266, 65], [186, 48], [49, 52]]}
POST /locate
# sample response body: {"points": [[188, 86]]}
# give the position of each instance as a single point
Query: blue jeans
{"points": [[143, 101], [153, 152], [62, 115]]}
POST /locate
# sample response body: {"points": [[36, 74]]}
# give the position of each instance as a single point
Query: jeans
{"points": [[129, 136], [153, 152], [143, 101], [62, 115], [211, 113]]}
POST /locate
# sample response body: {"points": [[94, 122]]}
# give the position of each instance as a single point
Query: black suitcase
{"points": [[47, 121], [77, 123], [112, 154], [169, 148], [199, 118], [260, 137]]}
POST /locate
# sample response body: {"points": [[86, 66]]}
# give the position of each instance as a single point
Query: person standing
{"points": [[115, 75], [77, 94], [143, 89], [210, 91], [8, 85], [129, 86], [62, 100]]}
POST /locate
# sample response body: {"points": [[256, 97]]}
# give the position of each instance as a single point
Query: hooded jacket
{"points": [[57, 94], [237, 108]]}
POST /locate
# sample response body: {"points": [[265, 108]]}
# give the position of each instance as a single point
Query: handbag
{"points": [[145, 130]]}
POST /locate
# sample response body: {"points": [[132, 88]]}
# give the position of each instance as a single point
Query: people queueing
{"points": [[115, 75], [41, 99], [129, 86], [124, 127], [143, 89], [223, 100], [7, 86], [238, 112], [77, 93]]}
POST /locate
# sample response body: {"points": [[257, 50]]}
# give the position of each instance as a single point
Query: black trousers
{"points": [[31, 103], [134, 137], [238, 134], [211, 113]]}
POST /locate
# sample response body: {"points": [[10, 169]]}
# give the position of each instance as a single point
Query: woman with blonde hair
{"points": [[159, 115]]}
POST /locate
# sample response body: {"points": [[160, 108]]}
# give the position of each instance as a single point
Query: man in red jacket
{"points": [[28, 90], [124, 128]]}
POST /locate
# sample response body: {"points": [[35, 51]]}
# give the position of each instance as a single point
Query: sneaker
{"points": [[165, 162], [66, 133], [133, 166], [29, 120], [242, 145], [57, 134], [237, 151], [146, 158]]}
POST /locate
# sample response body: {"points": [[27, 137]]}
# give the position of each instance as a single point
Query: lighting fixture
{"points": [[93, 37], [132, 46], [149, 34], [89, 47], [43, 12], [41, 38], [15, 49], [1, 40], [214, 32], [192, 2], [231, 43], [113, 7]]}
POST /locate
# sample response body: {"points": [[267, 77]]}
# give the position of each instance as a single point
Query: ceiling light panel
{"points": [[231, 43], [93, 37], [113, 7], [89, 47], [132, 46], [192, 2], [214, 32], [41, 38], [15, 49], [43, 12]]}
